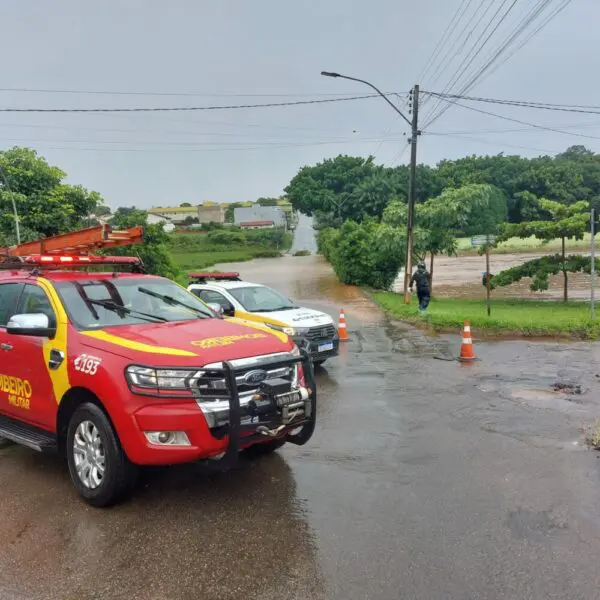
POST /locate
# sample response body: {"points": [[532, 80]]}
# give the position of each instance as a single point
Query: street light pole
{"points": [[414, 125]]}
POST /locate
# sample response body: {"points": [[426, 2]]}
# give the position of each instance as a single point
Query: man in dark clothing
{"points": [[421, 278]]}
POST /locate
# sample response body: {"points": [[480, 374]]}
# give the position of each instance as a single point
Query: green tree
{"points": [[564, 222], [267, 201], [46, 205], [229, 211], [154, 250], [439, 220], [328, 185], [185, 205]]}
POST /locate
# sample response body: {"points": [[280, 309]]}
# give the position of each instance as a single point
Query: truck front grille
{"points": [[323, 332]]}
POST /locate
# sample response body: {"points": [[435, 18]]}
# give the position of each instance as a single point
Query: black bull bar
{"points": [[243, 434]]}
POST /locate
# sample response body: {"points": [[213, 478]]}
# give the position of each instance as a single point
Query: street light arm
{"points": [[330, 74]]}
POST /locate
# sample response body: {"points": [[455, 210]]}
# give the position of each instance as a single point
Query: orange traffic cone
{"points": [[466, 349], [342, 329]]}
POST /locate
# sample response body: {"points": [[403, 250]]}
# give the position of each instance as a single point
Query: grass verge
{"points": [[513, 317]]}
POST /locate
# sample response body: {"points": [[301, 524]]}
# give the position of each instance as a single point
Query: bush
{"points": [[363, 254], [302, 253], [226, 238]]}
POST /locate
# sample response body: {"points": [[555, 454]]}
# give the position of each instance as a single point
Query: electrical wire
{"points": [[444, 64], [185, 108], [167, 94], [459, 13], [470, 57], [527, 39], [495, 143], [534, 125], [493, 57], [573, 108]]}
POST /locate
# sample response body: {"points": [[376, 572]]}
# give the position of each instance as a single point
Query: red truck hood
{"points": [[196, 343]]}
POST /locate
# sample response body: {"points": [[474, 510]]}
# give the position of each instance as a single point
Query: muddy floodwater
{"points": [[425, 479], [461, 277]]}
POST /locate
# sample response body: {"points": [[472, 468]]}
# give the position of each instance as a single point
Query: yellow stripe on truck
{"points": [[60, 376], [131, 345], [261, 327]]}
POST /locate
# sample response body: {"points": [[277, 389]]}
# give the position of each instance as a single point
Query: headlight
{"points": [[286, 330], [166, 379]]}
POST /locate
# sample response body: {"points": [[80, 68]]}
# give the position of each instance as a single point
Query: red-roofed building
{"points": [[257, 225]]}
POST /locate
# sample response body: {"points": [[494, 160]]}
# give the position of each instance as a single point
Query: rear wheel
{"points": [[318, 363], [265, 447], [99, 468]]}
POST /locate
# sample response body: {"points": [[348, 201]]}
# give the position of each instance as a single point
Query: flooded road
{"points": [[425, 479]]}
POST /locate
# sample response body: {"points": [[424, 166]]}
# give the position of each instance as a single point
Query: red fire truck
{"points": [[117, 369]]}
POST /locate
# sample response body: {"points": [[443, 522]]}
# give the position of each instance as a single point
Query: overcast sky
{"points": [[246, 52]]}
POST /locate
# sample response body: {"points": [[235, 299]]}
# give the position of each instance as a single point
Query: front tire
{"points": [[99, 468]]}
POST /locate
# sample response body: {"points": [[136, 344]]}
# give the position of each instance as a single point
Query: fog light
{"points": [[167, 438]]}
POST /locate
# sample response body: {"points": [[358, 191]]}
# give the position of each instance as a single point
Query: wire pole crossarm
{"points": [[330, 74]]}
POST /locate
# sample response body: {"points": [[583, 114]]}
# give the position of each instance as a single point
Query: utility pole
{"points": [[593, 259], [412, 181]]}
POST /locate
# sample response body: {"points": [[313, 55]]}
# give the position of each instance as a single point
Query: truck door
{"points": [[27, 391]]}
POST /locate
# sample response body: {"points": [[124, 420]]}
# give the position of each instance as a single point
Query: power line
{"points": [[470, 57], [531, 35], [574, 108], [167, 94], [463, 7], [530, 18], [534, 125], [193, 146], [184, 108], [444, 64], [495, 143]]}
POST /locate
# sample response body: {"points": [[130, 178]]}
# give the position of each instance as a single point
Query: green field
{"points": [[200, 251], [531, 244], [520, 317]]}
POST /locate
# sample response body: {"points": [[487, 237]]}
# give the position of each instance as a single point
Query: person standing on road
{"points": [[421, 278]]}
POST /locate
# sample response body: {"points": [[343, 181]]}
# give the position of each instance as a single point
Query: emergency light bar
{"points": [[201, 277], [61, 261]]}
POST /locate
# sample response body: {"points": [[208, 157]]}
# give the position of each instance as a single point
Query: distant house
{"points": [[260, 213], [257, 225], [175, 214], [154, 219], [211, 213]]}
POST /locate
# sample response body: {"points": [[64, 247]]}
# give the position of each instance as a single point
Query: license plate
{"points": [[325, 347]]}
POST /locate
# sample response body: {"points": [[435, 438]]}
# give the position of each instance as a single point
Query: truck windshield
{"points": [[261, 299], [97, 303]]}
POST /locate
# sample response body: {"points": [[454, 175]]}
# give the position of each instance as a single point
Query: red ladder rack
{"points": [[78, 243]]}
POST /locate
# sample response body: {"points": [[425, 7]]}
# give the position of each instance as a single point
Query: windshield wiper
{"points": [[171, 300], [129, 311], [276, 309]]}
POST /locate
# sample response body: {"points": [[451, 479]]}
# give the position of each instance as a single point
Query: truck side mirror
{"points": [[35, 325], [217, 308]]}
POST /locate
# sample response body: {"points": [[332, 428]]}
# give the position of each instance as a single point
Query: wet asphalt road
{"points": [[425, 479]]}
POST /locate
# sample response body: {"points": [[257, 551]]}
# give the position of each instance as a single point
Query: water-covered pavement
{"points": [[426, 479]]}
